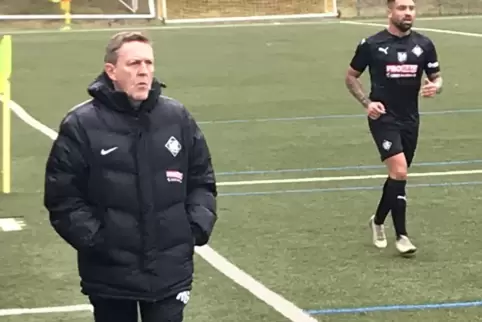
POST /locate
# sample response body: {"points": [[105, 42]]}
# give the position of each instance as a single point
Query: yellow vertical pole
{"points": [[5, 72], [6, 141], [66, 8]]}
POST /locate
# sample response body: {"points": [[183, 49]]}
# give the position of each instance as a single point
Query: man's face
{"points": [[402, 14], [134, 70]]}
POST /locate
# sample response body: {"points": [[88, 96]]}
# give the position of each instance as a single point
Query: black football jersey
{"points": [[396, 65]]}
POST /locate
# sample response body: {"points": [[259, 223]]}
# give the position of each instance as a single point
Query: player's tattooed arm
{"points": [[355, 87]]}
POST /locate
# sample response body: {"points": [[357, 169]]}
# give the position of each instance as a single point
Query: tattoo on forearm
{"points": [[355, 87], [434, 76], [437, 80]]}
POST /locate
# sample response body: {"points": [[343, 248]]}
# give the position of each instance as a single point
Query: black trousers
{"points": [[111, 310]]}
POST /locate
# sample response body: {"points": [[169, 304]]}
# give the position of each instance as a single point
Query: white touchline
{"points": [[46, 310], [217, 26], [11, 224], [345, 178], [274, 300], [176, 27], [441, 31]]}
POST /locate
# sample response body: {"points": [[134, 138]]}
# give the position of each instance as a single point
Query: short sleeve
{"points": [[432, 64], [361, 58]]}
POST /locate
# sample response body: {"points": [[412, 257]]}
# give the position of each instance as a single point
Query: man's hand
{"points": [[429, 89], [375, 109]]}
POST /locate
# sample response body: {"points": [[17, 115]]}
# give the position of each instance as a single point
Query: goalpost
{"points": [[192, 11], [219, 11], [131, 5]]}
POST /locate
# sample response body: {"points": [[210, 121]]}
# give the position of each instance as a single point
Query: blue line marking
{"points": [[321, 190], [323, 117], [350, 167], [394, 308]]}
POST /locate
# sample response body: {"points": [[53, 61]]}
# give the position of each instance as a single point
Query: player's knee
{"points": [[397, 167], [399, 173]]}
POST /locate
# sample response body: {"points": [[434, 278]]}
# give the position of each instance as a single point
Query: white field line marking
{"points": [[214, 26], [179, 27], [441, 31], [345, 178], [469, 17], [11, 224], [45, 310], [274, 300]]}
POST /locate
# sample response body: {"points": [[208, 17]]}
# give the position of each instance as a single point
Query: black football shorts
{"points": [[392, 138]]}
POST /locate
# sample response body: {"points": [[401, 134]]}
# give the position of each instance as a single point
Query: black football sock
{"points": [[398, 202], [383, 207]]}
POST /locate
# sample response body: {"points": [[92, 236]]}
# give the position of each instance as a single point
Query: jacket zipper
{"points": [[138, 138]]}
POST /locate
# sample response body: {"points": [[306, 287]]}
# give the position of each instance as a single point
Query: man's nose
{"points": [[143, 69]]}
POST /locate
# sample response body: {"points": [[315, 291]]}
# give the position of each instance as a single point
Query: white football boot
{"points": [[378, 234], [405, 246]]}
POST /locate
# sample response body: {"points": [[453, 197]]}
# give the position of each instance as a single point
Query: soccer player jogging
{"points": [[396, 57]]}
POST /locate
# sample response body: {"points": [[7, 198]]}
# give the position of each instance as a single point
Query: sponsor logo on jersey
{"points": [[401, 71], [174, 176]]}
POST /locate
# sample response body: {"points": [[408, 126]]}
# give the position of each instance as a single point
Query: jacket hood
{"points": [[102, 89]]}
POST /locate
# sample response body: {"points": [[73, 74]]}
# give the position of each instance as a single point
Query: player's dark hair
{"points": [[390, 2]]}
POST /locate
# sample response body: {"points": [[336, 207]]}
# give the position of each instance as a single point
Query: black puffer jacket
{"points": [[132, 190]]}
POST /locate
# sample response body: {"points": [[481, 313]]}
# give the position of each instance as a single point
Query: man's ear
{"points": [[390, 9], [110, 71]]}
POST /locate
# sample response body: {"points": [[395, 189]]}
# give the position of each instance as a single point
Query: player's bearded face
{"points": [[402, 17], [402, 25]]}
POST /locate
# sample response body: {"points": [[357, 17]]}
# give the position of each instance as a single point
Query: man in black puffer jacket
{"points": [[130, 185]]}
